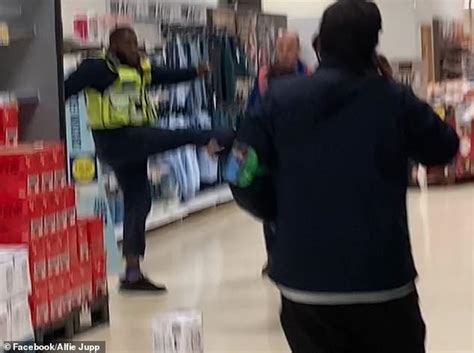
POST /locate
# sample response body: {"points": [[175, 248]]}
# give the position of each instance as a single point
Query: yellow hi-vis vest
{"points": [[125, 102]]}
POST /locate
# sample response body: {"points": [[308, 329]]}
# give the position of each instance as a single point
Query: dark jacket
{"points": [[337, 147], [95, 73], [261, 83]]}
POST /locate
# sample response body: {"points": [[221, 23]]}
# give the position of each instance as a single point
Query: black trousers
{"points": [[392, 327], [127, 150]]}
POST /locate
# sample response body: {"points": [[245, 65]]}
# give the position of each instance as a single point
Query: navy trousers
{"points": [[392, 327], [126, 150]]}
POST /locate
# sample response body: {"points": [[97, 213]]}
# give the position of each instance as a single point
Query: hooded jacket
{"points": [[337, 147]]}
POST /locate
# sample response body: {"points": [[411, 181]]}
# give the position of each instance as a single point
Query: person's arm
{"points": [[259, 198], [163, 76], [86, 75], [430, 140], [162, 140]]}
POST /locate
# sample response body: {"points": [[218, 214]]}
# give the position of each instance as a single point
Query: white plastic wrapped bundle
{"points": [[178, 332]]}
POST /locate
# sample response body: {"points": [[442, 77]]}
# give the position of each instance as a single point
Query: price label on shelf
{"points": [[4, 34]]}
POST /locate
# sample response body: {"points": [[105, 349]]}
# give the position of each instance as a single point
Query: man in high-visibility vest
{"points": [[121, 118]]}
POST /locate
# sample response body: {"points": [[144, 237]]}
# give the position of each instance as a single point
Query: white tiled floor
{"points": [[212, 262]]}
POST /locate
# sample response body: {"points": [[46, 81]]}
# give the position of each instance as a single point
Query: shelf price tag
{"points": [[4, 34]]}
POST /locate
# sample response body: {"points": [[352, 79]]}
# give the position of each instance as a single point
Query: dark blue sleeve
{"points": [[164, 76], [430, 140], [91, 73]]}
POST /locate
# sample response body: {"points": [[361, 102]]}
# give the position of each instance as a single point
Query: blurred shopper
{"points": [[287, 62], [121, 118], [332, 152], [287, 55]]}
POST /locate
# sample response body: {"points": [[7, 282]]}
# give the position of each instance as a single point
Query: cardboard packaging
{"points": [[22, 327], [82, 241], [8, 120], [22, 218], [5, 323], [18, 280], [178, 332], [39, 304], [99, 276], [20, 170]]}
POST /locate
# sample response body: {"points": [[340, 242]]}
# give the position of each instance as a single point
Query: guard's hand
{"points": [[213, 147], [203, 69]]}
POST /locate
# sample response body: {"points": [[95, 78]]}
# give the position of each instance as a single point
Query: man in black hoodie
{"points": [[336, 147]]}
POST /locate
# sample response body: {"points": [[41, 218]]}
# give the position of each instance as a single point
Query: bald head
{"points": [[288, 49]]}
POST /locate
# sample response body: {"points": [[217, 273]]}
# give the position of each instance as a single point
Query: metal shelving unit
{"points": [[30, 52], [13, 33]]}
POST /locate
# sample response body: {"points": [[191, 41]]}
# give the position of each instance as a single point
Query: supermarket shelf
{"points": [[206, 199], [10, 34], [73, 46], [27, 98]]}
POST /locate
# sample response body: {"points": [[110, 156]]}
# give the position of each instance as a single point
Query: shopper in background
{"points": [[287, 62], [121, 118], [335, 148], [287, 54]]}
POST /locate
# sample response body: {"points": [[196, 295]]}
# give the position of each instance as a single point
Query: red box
{"points": [[61, 199], [73, 246], [99, 276], [22, 217], [38, 260], [47, 168], [19, 234], [20, 170], [54, 249], [75, 280], [95, 237], [64, 257], [70, 199], [66, 293], [86, 280], [39, 304], [59, 166], [8, 122], [52, 204], [82, 241], [56, 293]]}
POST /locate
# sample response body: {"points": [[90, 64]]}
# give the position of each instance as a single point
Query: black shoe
{"points": [[142, 285]]}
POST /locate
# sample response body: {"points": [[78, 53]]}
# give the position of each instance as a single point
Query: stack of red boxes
{"points": [[95, 239], [37, 207], [8, 120]]}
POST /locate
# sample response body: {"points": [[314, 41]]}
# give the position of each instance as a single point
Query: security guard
{"points": [[121, 116]]}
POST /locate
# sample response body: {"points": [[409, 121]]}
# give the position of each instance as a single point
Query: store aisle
{"points": [[212, 262]]}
